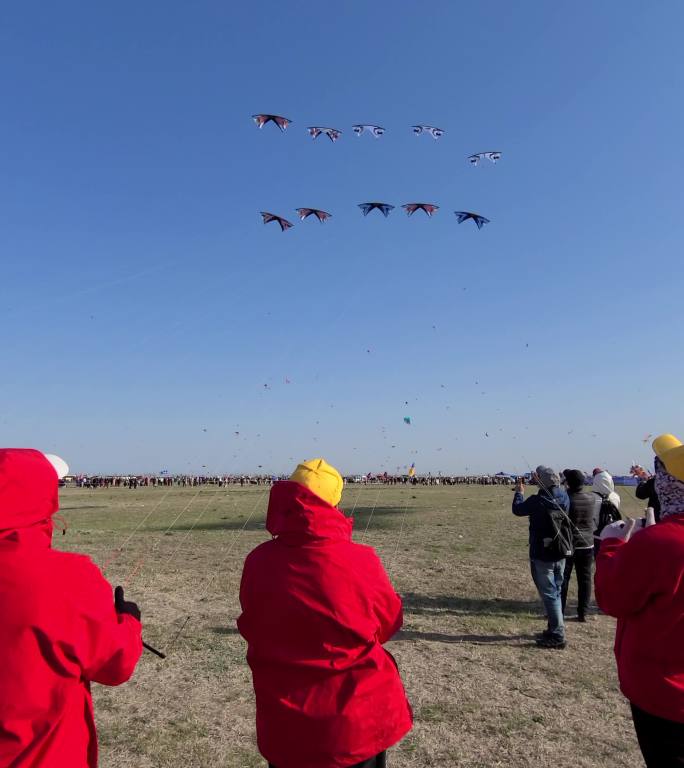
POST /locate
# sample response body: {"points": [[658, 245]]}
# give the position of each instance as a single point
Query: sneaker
{"points": [[551, 642]]}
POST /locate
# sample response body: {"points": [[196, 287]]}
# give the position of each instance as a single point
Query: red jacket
{"points": [[58, 628], [641, 583], [316, 609]]}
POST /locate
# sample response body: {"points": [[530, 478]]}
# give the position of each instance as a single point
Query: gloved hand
{"points": [[125, 606], [620, 529]]}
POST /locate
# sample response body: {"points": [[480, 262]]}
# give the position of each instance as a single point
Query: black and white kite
{"points": [[376, 130], [320, 215], [465, 215], [384, 208], [281, 122], [491, 156], [332, 133], [428, 208], [436, 133], [269, 217]]}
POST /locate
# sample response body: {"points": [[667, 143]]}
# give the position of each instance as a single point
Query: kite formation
{"points": [[385, 208]]}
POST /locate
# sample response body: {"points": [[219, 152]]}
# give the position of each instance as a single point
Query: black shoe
{"points": [[551, 642], [581, 618]]}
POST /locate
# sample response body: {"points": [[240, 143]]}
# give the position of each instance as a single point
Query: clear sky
{"points": [[145, 305]]}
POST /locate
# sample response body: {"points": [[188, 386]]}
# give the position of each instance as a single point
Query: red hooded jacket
{"points": [[316, 609], [58, 628], [641, 583]]}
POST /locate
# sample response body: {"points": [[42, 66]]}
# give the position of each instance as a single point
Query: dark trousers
{"points": [[582, 561], [379, 761], [661, 741]]}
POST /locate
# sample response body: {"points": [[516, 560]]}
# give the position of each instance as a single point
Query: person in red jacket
{"points": [[316, 611], [59, 628], [640, 580]]}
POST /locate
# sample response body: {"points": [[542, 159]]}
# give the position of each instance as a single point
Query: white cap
{"points": [[61, 467]]}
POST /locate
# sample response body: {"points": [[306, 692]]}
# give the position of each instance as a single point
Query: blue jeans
{"points": [[548, 579]]}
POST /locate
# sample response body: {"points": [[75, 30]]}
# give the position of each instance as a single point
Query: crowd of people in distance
{"points": [[223, 481], [318, 609]]}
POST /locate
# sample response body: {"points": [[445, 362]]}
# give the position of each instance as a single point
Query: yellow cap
{"points": [[670, 451], [320, 478]]}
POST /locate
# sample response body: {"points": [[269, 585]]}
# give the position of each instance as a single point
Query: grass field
{"points": [[482, 693]]}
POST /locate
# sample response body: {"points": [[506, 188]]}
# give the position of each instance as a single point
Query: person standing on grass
{"points": [[607, 504], [640, 581], [316, 612], [60, 627], [581, 516], [645, 490], [550, 544]]}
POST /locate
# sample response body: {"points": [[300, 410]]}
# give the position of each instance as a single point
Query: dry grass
{"points": [[483, 694]]}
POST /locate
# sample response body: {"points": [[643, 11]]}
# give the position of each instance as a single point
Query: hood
{"points": [[296, 513], [603, 483], [554, 498], [28, 489]]}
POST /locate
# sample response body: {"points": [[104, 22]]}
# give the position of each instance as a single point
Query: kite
{"points": [[332, 133], [269, 217], [320, 215], [281, 122], [436, 133], [647, 438], [376, 130], [412, 469], [491, 156], [465, 215], [428, 208], [407, 419], [384, 208]]}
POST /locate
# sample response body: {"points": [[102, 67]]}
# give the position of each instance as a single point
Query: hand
{"points": [[639, 472], [647, 521], [620, 529], [125, 606], [520, 485]]}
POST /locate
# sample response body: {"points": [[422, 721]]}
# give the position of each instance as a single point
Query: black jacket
{"points": [[646, 490], [581, 514], [550, 534]]}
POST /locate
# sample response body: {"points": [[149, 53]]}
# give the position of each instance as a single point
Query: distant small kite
{"points": [[376, 130], [491, 156], [465, 215], [436, 133], [646, 439], [428, 208], [281, 122], [384, 208], [269, 217], [320, 215], [332, 133], [407, 419]]}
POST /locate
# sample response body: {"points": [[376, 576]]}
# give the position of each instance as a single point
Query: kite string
{"points": [[114, 553], [143, 558], [174, 639]]}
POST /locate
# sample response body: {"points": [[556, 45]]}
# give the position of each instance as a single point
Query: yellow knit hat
{"points": [[320, 478], [670, 451]]}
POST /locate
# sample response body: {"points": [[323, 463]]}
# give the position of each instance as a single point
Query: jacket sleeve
{"points": [[644, 490], [386, 603], [627, 575], [522, 507], [107, 645]]}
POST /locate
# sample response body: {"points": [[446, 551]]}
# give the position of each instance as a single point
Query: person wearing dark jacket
{"points": [[550, 544], [581, 516], [646, 489], [640, 581]]}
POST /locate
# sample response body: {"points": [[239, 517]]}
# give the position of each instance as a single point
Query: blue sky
{"points": [[144, 302]]}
